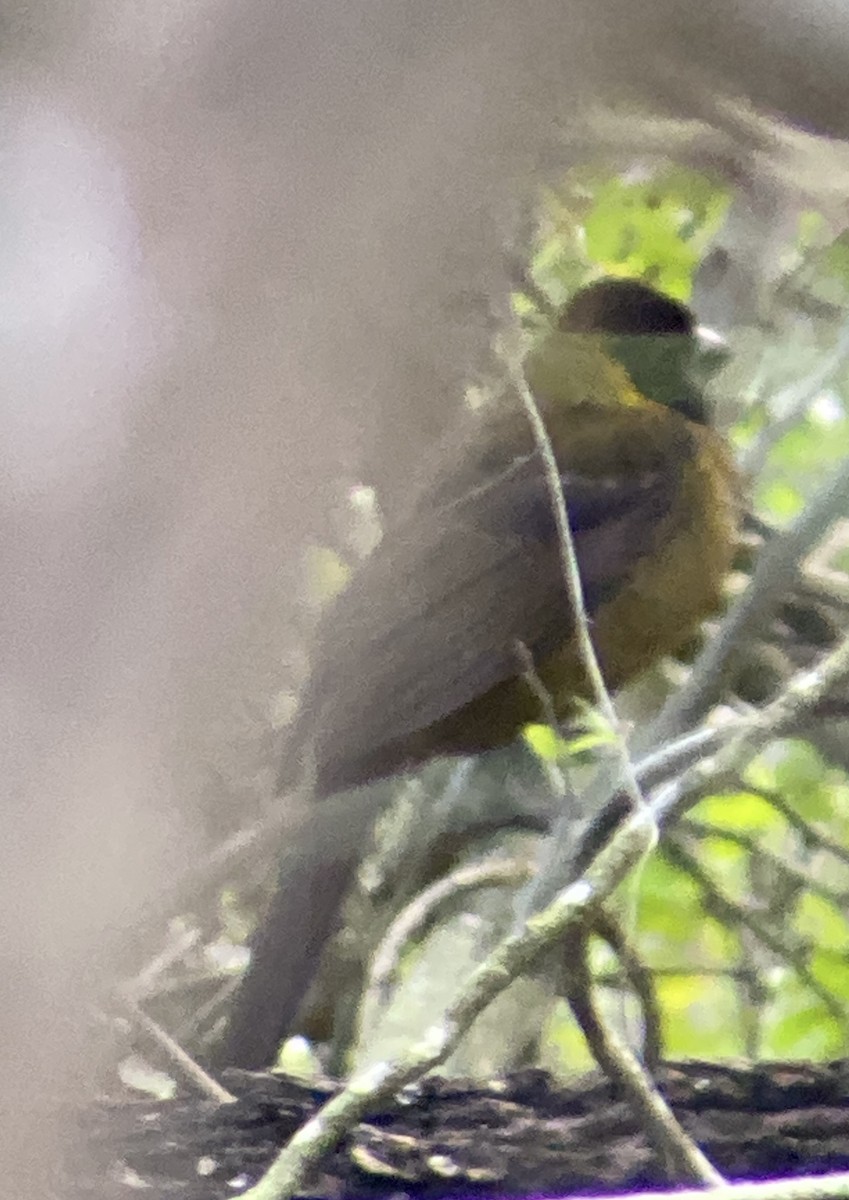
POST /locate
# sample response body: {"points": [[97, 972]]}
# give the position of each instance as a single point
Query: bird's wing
{"points": [[432, 619]]}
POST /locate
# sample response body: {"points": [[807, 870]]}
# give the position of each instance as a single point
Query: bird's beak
{"points": [[712, 353]]}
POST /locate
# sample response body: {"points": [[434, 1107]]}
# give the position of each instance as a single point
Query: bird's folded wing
{"points": [[432, 619]]}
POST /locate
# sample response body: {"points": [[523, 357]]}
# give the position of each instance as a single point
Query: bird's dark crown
{"points": [[654, 337]]}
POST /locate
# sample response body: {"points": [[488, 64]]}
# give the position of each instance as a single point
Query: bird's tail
{"points": [[316, 872]]}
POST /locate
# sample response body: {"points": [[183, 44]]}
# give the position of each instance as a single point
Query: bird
{"points": [[425, 652]]}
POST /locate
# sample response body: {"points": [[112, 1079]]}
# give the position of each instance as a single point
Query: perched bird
{"points": [[425, 652]]}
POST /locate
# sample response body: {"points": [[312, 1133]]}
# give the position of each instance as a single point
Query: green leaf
{"points": [[822, 923], [545, 742], [743, 812]]}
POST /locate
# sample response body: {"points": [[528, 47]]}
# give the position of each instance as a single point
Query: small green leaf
{"points": [[545, 742]]}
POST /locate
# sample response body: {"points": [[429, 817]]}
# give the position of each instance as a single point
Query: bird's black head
{"points": [[626, 308], [654, 337]]}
